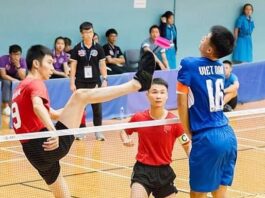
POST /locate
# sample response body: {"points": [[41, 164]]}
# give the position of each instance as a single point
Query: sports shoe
{"points": [[146, 70], [6, 111], [227, 108], [99, 136]]}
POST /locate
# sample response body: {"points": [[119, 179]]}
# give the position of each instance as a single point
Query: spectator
{"points": [[243, 30], [68, 46], [96, 38], [12, 68], [230, 87], [149, 44], [114, 56], [87, 64], [61, 68], [169, 31]]}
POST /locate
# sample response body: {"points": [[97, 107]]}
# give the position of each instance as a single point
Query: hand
{"points": [[73, 87], [104, 83], [16, 63], [163, 19], [129, 143], [51, 144]]}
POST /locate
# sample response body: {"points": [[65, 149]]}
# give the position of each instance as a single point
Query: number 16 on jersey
{"points": [[216, 99]]}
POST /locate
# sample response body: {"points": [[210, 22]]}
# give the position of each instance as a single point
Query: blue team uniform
{"points": [[230, 80], [214, 146], [243, 48]]}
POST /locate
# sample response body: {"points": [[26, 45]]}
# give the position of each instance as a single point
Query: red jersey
{"points": [[23, 117], [155, 143]]}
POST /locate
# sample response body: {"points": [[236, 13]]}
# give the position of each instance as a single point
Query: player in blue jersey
{"points": [[200, 102]]}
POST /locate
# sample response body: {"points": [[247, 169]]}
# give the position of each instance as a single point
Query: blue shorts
{"points": [[212, 159]]}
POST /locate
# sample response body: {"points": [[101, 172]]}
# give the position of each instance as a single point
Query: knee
{"points": [[78, 95]]}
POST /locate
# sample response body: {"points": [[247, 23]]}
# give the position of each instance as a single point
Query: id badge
{"points": [[88, 72]]}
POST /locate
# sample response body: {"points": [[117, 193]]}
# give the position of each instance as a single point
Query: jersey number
{"points": [[16, 116], [216, 99]]}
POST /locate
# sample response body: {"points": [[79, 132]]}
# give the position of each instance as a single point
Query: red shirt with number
{"points": [[23, 117], [155, 143]]}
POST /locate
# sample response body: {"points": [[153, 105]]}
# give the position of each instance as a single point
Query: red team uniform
{"points": [[152, 169], [25, 121]]}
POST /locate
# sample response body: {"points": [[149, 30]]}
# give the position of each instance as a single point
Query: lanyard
{"points": [[115, 51], [88, 51]]}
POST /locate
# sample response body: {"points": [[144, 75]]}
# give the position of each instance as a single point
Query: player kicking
{"points": [[214, 145], [31, 112]]}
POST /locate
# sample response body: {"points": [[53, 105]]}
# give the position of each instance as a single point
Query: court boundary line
{"points": [[126, 177]]}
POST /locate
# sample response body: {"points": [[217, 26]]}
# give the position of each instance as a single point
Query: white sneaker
{"points": [[6, 111], [100, 136]]}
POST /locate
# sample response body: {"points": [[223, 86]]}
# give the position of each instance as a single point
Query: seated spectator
{"points": [[160, 53], [12, 68], [169, 31], [61, 68], [114, 56], [230, 87], [96, 38]]}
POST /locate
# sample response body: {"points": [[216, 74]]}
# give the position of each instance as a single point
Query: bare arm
{"points": [[164, 60], [42, 113], [73, 66], [187, 148], [39, 109], [103, 71], [21, 73], [5, 76], [126, 139], [66, 69], [59, 73], [116, 61], [232, 88], [183, 113], [161, 65], [236, 30]]}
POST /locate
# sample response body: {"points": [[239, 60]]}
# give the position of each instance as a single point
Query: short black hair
{"points": [[222, 40], [59, 38], [14, 49], [153, 27], [228, 62], [168, 14], [111, 31], [160, 81], [67, 41], [85, 26], [246, 5], [36, 52]]}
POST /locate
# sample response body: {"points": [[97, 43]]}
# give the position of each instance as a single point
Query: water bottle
{"points": [[121, 113]]}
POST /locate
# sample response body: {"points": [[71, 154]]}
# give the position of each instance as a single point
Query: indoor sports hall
{"points": [[103, 169]]}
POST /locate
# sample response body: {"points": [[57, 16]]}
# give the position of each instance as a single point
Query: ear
{"points": [[35, 64]]}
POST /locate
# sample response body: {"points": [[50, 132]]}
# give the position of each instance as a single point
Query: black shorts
{"points": [[158, 180], [233, 102], [47, 162]]}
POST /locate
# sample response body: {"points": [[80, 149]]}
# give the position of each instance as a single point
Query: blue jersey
{"points": [[205, 79], [230, 80]]}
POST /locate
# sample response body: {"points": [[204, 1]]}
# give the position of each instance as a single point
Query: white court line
{"points": [[252, 147], [100, 161], [12, 160], [9, 149], [251, 140]]}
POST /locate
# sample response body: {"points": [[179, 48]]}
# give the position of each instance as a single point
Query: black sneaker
{"points": [[146, 70], [227, 108]]}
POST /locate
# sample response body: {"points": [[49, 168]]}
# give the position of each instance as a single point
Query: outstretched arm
{"points": [[126, 139]]}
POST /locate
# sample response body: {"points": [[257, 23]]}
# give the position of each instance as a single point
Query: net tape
{"points": [[113, 127]]}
